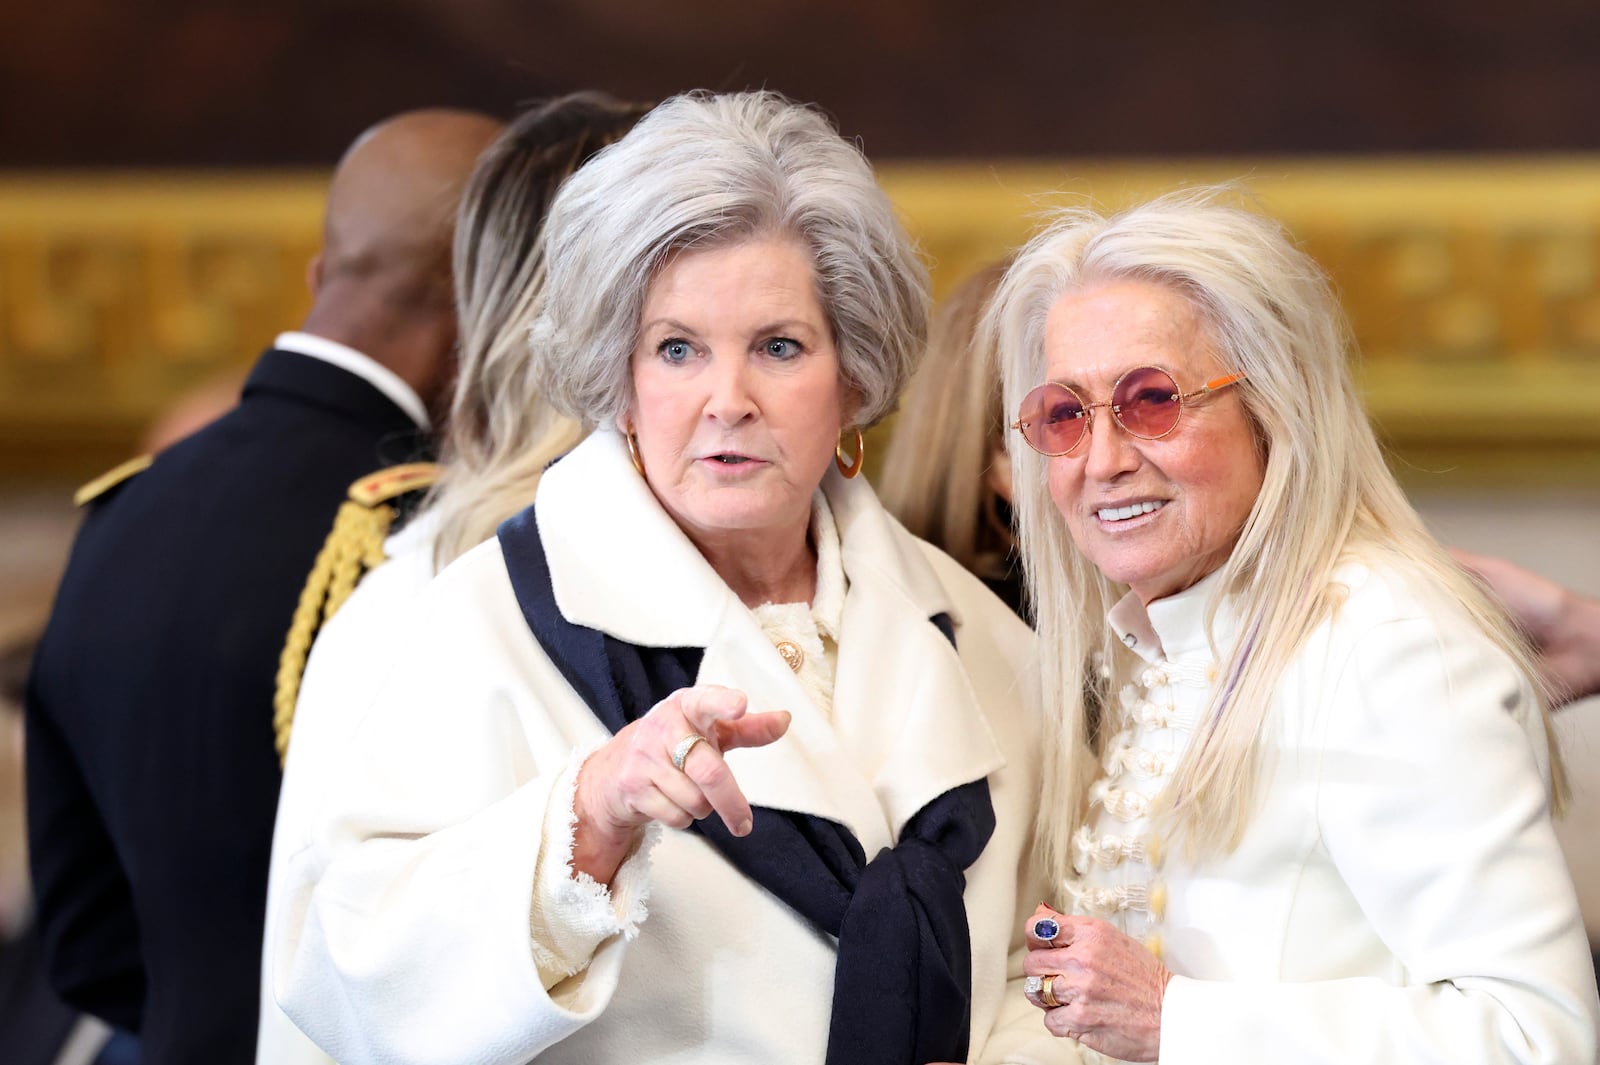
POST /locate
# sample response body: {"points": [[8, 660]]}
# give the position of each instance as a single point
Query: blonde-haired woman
{"points": [[947, 476], [500, 437], [1304, 813]]}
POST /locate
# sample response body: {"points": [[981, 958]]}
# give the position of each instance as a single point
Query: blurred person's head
{"points": [[501, 433], [381, 283], [714, 211], [1180, 377], [947, 476]]}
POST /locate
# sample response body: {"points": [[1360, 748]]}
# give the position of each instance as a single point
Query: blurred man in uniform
{"points": [[152, 778]]}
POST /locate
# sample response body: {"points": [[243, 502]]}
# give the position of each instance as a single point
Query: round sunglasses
{"points": [[1145, 401]]}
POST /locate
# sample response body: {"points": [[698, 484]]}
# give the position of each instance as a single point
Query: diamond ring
{"points": [[681, 751], [1041, 989]]}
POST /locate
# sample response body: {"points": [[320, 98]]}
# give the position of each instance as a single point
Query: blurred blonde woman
{"points": [[1304, 814], [947, 476], [500, 437]]}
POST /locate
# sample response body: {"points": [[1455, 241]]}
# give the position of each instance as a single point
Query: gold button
{"points": [[1152, 943], [791, 654], [1158, 900], [1155, 851]]}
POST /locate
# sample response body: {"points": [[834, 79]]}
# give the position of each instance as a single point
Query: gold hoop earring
{"points": [[846, 467], [633, 450]]}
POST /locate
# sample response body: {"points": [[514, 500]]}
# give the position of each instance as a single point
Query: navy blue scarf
{"points": [[902, 986]]}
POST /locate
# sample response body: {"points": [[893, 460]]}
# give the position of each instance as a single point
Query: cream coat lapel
{"points": [[619, 564], [902, 698]]}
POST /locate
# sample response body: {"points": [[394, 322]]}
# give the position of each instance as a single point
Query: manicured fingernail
{"points": [[743, 829]]}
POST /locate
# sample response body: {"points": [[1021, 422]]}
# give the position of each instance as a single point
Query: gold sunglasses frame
{"points": [[1214, 385]]}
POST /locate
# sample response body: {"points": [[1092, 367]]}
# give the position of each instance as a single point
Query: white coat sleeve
{"points": [[435, 917], [1432, 807]]}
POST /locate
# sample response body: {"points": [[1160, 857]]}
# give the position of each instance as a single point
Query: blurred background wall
{"points": [[162, 165], [268, 82]]}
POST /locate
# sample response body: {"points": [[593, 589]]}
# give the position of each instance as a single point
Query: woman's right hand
{"points": [[1107, 988], [631, 781]]}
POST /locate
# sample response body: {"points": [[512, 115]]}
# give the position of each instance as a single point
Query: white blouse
{"points": [[1118, 858], [806, 635]]}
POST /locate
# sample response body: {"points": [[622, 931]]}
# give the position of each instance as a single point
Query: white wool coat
{"points": [[352, 654], [422, 921]]}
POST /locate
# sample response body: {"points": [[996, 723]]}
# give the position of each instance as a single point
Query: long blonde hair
{"points": [[1327, 495], [502, 434], [949, 428]]}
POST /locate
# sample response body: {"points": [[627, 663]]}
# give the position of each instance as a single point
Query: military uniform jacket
{"points": [[152, 779]]}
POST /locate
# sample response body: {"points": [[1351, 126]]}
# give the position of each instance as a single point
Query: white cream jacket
{"points": [[1398, 897], [414, 925]]}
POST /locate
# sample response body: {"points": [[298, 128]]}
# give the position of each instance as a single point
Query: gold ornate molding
{"points": [[120, 292], [1472, 286]]}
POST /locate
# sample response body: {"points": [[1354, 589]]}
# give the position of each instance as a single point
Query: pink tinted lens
{"points": [[1146, 402], [1053, 419]]}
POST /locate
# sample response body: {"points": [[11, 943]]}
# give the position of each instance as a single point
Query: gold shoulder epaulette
{"points": [[352, 549], [110, 479], [384, 485]]}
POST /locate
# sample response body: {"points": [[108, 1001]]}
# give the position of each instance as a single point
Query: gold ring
{"points": [[681, 751]]}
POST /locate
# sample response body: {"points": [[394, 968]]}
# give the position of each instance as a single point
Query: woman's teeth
{"points": [[1131, 511]]}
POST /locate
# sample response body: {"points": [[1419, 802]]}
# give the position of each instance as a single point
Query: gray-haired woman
{"points": [[704, 612]]}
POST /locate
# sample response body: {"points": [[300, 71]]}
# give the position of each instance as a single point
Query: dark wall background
{"points": [[252, 82]]}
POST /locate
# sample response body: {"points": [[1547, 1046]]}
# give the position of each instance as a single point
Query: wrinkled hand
{"points": [[631, 781], [1563, 626], [1109, 986]]}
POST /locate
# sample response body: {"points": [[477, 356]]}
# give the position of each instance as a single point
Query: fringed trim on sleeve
{"points": [[571, 912]]}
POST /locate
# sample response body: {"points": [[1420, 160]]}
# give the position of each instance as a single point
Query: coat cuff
{"points": [[571, 912]]}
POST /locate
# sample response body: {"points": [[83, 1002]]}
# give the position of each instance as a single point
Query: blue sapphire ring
{"points": [[1046, 929]]}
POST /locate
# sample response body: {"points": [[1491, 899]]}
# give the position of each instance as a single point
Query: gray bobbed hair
{"points": [[705, 171]]}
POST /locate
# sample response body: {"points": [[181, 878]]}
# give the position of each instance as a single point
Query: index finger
{"points": [[722, 791]]}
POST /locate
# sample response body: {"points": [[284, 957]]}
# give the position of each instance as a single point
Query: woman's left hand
{"points": [[1108, 986]]}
